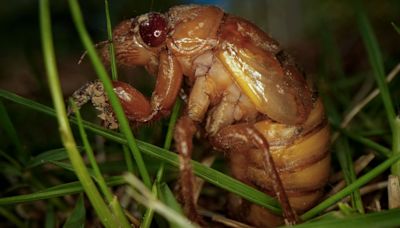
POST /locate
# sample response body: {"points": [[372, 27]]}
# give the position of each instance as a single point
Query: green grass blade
{"points": [[114, 75], [210, 175], [48, 156], [114, 72], [102, 74], [375, 58], [389, 218], [11, 218], [10, 159], [112, 201], [50, 221], [344, 157], [171, 124], [92, 159], [69, 167], [77, 217], [64, 128], [350, 188], [376, 61], [168, 198], [148, 216], [128, 159], [7, 125], [141, 194], [56, 191], [379, 149], [9, 169]]}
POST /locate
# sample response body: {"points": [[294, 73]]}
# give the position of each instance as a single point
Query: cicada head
{"points": [[138, 40]]}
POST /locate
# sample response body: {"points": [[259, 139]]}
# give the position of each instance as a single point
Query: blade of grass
{"points": [[350, 188], [48, 156], [11, 218], [128, 159], [64, 127], [389, 218], [344, 157], [378, 149], [115, 206], [140, 193], [375, 58], [345, 209], [210, 175], [11, 160], [50, 221], [166, 196], [89, 152], [7, 125], [114, 75], [77, 217], [102, 74], [114, 72], [360, 105], [56, 191], [148, 216], [10, 170]]}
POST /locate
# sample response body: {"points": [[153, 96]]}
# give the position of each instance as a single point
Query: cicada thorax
{"points": [[193, 32]]}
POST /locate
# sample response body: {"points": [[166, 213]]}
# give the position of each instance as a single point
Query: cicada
{"points": [[244, 95]]}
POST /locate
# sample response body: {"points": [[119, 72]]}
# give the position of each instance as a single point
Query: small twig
{"points": [[359, 165], [375, 205], [223, 220], [363, 191], [208, 161], [132, 218], [357, 108]]}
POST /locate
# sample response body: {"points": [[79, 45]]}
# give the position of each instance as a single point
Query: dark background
{"points": [[302, 27]]}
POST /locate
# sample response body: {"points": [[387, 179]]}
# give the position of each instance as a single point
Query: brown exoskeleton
{"points": [[244, 92]]}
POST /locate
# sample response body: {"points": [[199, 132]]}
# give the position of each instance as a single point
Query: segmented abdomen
{"points": [[301, 157]]}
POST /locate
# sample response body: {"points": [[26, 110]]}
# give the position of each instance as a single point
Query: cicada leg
{"points": [[183, 135], [243, 137], [94, 92]]}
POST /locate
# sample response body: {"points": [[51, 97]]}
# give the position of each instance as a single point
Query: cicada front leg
{"points": [[94, 92]]}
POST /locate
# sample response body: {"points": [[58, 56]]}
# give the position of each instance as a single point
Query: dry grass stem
{"points": [[208, 161], [359, 165], [365, 190], [394, 192], [357, 108], [223, 220]]}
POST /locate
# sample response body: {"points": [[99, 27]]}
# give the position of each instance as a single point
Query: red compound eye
{"points": [[153, 30]]}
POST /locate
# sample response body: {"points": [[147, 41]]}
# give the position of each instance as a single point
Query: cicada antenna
{"points": [[97, 45]]}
